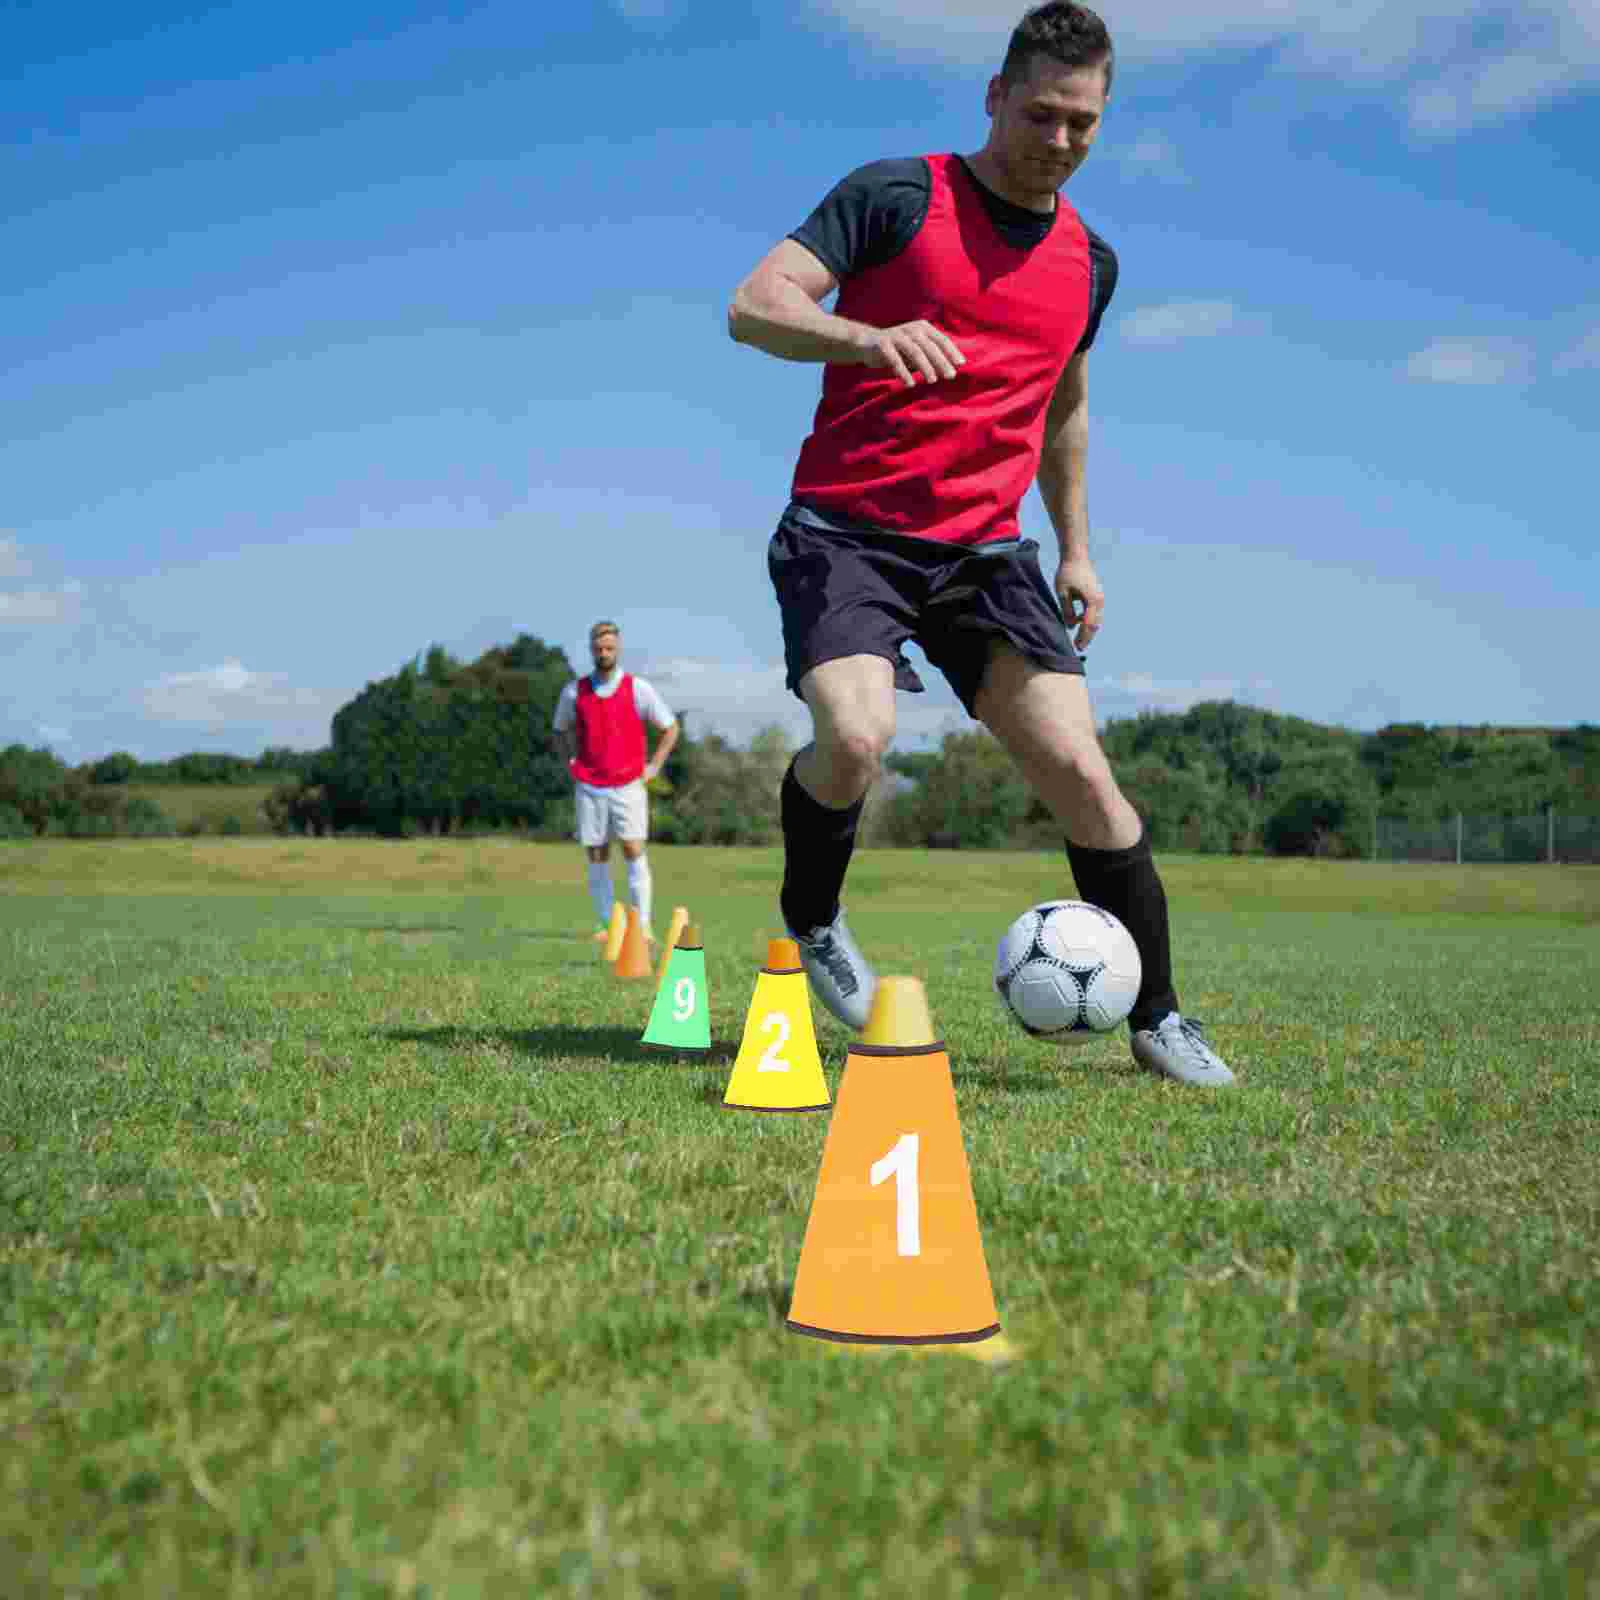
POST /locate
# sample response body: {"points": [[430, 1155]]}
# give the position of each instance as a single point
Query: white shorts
{"points": [[620, 813]]}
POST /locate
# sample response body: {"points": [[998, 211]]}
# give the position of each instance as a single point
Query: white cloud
{"points": [[1153, 694], [12, 562], [24, 606], [731, 698], [1184, 319], [1481, 361], [1454, 64], [233, 694], [1582, 357]]}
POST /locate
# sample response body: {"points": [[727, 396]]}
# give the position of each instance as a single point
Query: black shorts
{"points": [[865, 593]]}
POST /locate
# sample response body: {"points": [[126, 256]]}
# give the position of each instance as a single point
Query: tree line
{"points": [[448, 746]]}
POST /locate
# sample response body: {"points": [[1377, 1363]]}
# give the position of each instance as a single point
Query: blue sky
{"points": [[329, 332]]}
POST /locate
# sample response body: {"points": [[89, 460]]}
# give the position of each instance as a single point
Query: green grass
{"points": [[350, 1245], [206, 807]]}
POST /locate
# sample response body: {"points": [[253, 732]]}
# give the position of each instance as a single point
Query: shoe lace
{"points": [[833, 957], [1191, 1031]]}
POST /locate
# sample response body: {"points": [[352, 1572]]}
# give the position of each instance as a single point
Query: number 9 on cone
{"points": [[680, 1019]]}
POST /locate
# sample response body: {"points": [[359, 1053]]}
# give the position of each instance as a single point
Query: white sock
{"points": [[600, 890], [639, 887]]}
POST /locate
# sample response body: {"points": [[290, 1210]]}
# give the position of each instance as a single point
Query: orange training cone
{"points": [[633, 960], [778, 1068], [680, 920], [892, 1251], [614, 932]]}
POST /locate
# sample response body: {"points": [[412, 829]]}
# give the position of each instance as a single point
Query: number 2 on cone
{"points": [[901, 1161], [770, 1060]]}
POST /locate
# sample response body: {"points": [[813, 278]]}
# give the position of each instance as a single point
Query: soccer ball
{"points": [[1067, 971]]}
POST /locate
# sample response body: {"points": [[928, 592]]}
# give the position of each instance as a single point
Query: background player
{"points": [[600, 730], [969, 294]]}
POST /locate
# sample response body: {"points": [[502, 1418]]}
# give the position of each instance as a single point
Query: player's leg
{"points": [[848, 603], [592, 837], [851, 700], [1044, 720], [633, 830]]}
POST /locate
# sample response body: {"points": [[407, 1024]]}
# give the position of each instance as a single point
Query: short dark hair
{"points": [[1066, 32]]}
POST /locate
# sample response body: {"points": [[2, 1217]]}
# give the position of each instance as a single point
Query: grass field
{"points": [[207, 807], [351, 1245]]}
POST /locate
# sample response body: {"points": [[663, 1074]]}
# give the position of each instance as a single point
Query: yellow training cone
{"points": [[614, 933], [778, 1068], [892, 1251], [680, 920]]}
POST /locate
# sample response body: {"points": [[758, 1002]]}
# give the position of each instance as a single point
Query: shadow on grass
{"points": [[558, 1044], [773, 1298], [715, 1094], [998, 1081]]}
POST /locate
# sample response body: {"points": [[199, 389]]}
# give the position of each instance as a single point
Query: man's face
{"points": [[1045, 122], [604, 647]]}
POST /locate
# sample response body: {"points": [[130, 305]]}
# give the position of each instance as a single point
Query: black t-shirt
{"points": [[870, 216]]}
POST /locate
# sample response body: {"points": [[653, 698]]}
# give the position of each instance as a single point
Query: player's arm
{"points": [[1063, 486], [778, 309], [564, 733], [665, 745]]}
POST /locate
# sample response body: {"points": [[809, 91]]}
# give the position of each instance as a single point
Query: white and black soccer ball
{"points": [[1067, 971]]}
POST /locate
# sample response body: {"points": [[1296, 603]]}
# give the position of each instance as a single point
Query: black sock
{"points": [[817, 841], [1126, 883]]}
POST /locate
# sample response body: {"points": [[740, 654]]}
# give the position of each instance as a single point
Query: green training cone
{"points": [[681, 1016]]}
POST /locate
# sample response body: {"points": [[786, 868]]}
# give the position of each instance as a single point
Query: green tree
{"points": [[727, 795], [1187, 807], [119, 767], [32, 783], [972, 797], [1321, 805], [440, 744]]}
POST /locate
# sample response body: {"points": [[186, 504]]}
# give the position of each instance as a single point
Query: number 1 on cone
{"points": [[901, 1161]]}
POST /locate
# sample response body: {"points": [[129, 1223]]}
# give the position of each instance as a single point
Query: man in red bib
{"points": [[954, 378], [599, 724]]}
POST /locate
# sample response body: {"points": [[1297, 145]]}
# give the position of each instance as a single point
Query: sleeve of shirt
{"points": [[651, 707], [566, 712], [1102, 285], [869, 217]]}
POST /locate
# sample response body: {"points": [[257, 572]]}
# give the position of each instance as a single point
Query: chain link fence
{"points": [[1544, 836]]}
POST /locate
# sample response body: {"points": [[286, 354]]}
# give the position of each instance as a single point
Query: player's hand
{"points": [[916, 352], [1083, 601]]}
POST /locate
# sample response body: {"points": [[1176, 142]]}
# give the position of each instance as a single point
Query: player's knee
{"points": [[1081, 766], [858, 747]]}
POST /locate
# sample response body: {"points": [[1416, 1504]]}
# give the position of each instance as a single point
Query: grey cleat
{"points": [[1176, 1048], [839, 974]]}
